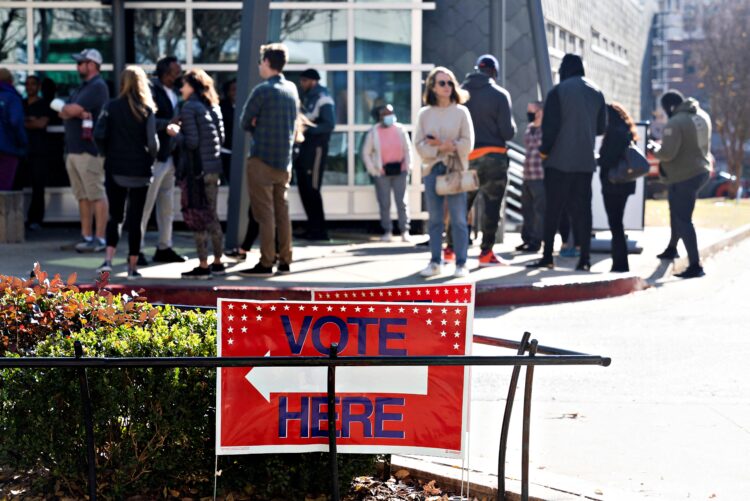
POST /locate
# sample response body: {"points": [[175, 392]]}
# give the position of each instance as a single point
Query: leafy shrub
{"points": [[154, 427]]}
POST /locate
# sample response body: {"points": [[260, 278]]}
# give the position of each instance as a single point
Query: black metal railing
{"points": [[552, 356]]}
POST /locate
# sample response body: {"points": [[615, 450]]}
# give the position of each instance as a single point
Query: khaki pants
{"points": [[268, 189]]}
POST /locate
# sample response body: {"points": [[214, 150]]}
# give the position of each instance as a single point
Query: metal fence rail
{"points": [[552, 356]]}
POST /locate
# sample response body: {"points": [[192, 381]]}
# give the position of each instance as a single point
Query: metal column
{"points": [[118, 40], [541, 52], [497, 37], [254, 33]]}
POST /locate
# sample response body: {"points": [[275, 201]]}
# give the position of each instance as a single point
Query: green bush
{"points": [[154, 428]]}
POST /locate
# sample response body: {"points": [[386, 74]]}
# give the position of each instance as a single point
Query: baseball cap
{"points": [[92, 55], [487, 61]]}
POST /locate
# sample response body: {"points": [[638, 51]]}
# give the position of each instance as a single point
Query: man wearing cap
{"points": [[317, 105], [84, 165], [492, 116]]}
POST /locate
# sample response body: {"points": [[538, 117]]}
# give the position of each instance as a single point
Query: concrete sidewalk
{"points": [[354, 260]]}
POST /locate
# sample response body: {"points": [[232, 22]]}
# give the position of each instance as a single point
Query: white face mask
{"points": [[389, 120]]}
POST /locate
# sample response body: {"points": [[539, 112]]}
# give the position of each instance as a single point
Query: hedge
{"points": [[154, 428]]}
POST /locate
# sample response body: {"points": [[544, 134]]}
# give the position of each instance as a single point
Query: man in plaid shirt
{"points": [[270, 115], [532, 196]]}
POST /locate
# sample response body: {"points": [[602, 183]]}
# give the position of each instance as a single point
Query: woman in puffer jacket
{"points": [[198, 139], [386, 153]]}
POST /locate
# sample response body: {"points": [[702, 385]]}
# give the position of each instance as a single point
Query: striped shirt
{"points": [[532, 165], [270, 115]]}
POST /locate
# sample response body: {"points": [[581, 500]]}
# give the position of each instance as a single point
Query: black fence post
{"points": [[333, 354], [506, 420], [527, 424], [88, 422]]}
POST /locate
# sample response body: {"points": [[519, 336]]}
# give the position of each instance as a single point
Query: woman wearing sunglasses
{"points": [[443, 137]]}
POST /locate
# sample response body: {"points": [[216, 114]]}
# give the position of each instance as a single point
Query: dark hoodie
{"points": [[686, 143], [490, 108], [574, 114]]}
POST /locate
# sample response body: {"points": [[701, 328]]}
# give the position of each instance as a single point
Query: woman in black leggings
{"points": [[620, 133], [126, 135]]}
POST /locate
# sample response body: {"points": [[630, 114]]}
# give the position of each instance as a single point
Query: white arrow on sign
{"points": [[399, 380]]}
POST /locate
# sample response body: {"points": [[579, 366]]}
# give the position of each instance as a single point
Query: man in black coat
{"points": [[161, 192], [492, 115], [574, 114]]}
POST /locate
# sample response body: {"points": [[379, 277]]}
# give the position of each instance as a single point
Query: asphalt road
{"points": [[669, 419]]}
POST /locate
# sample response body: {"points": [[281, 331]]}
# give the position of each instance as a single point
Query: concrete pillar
{"points": [[11, 217]]}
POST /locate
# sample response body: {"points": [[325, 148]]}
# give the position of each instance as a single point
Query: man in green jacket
{"points": [[685, 167]]}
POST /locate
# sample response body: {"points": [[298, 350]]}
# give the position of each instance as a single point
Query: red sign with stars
{"points": [[407, 410], [445, 293]]}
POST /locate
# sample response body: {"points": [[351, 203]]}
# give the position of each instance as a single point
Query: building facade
{"points": [[368, 52]]}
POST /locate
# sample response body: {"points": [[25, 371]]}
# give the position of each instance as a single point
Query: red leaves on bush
{"points": [[32, 310]]}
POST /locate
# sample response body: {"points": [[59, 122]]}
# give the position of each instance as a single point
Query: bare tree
{"points": [[724, 69], [11, 30]]}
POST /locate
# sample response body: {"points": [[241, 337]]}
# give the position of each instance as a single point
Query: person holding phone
{"points": [[444, 135], [386, 154]]}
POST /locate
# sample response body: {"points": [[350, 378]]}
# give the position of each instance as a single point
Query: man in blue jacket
{"points": [[13, 139], [309, 166]]}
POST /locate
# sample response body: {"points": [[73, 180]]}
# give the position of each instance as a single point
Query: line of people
{"points": [[133, 150]]}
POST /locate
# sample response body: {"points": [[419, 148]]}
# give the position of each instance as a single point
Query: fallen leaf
{"points": [[401, 474]]}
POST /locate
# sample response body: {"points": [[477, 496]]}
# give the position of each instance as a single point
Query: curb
{"points": [[733, 238], [487, 296]]}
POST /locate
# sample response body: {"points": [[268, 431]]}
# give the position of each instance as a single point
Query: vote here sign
{"points": [[438, 293], [410, 410]]}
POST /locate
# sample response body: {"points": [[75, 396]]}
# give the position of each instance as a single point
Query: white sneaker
{"points": [[405, 237], [461, 272], [432, 270], [387, 237]]}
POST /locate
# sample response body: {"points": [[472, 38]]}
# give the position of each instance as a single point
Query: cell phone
{"points": [[430, 136]]}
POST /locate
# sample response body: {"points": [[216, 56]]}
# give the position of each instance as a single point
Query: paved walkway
{"points": [[352, 260]]}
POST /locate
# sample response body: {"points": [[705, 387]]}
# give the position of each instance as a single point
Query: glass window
{"points": [[312, 36], [158, 33], [13, 36], [335, 82], [361, 177], [216, 36], [551, 38], [382, 87], [382, 36], [336, 172], [67, 81], [59, 33]]}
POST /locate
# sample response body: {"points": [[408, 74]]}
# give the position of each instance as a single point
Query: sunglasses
{"points": [[443, 83], [81, 62]]}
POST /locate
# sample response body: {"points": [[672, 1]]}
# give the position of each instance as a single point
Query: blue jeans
{"points": [[457, 211]]}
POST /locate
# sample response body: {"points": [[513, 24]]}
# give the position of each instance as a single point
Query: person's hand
{"points": [[173, 130], [434, 142], [447, 147], [85, 115]]}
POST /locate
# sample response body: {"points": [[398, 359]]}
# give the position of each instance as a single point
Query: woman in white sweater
{"points": [[386, 154], [443, 137]]}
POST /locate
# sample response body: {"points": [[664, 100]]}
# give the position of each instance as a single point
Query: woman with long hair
{"points": [[620, 133], [199, 137], [126, 135], [444, 137]]}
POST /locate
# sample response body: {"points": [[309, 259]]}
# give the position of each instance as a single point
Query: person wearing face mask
{"points": [[386, 153], [532, 194], [685, 167]]}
